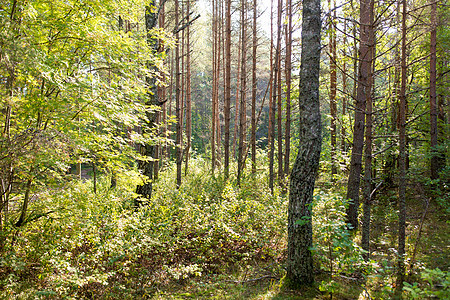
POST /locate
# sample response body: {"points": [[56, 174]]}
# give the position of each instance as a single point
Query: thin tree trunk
{"points": [[402, 164], [365, 239], [363, 91], [272, 108], [287, 137], [218, 67], [344, 96], [227, 100], [26, 199], [299, 257], [333, 90], [172, 73], [178, 108], [214, 84], [236, 108], [278, 92], [242, 107], [188, 90], [254, 88]]}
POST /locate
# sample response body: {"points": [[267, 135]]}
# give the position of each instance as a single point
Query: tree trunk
{"points": [[363, 91], [344, 95], [227, 100], [178, 103], [148, 150], [365, 239], [278, 92], [254, 89], [218, 67], [402, 164], [287, 136], [242, 106], [214, 84], [299, 257], [188, 90], [272, 107], [333, 90]]}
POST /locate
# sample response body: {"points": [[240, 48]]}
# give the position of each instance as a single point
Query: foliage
{"points": [[95, 245], [435, 284], [334, 247]]}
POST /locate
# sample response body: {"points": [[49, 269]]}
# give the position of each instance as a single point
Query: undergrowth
{"points": [[208, 239]]}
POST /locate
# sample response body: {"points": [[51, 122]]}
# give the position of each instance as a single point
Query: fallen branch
{"points": [[252, 280]]}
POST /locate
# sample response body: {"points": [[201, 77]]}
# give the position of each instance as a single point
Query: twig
{"points": [[252, 280]]}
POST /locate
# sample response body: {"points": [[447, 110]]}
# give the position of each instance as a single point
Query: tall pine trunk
{"points": [[254, 89], [402, 163], [214, 83], [278, 93], [365, 239], [288, 67], [227, 100], [363, 91], [333, 92], [188, 90], [178, 102], [242, 106]]}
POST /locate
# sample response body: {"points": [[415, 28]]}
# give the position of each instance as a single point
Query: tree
{"points": [[254, 88], [227, 100], [365, 238], [178, 101], [271, 129], [148, 150], [333, 90], [278, 93], [69, 93], [363, 91], [299, 256], [402, 161], [288, 63], [188, 89], [242, 106]]}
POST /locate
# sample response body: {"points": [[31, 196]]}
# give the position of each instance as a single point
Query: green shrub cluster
{"points": [[99, 246]]}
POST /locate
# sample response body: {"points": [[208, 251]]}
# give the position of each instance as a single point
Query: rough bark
{"points": [[188, 91], [214, 84], [272, 92], [365, 239], [287, 137], [227, 100], [236, 107], [344, 95], [242, 106], [402, 163], [299, 258], [333, 92], [363, 91], [278, 94], [148, 150], [178, 102], [254, 89]]}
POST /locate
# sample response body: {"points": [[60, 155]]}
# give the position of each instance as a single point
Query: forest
{"points": [[224, 149]]}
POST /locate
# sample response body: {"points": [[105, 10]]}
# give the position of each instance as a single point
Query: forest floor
{"points": [[212, 240]]}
